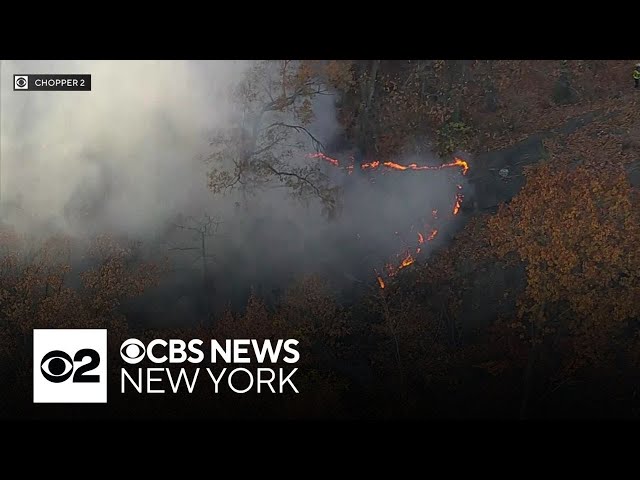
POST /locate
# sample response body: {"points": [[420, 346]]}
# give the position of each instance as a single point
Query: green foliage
{"points": [[453, 136]]}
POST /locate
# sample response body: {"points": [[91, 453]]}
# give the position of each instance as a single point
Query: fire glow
{"points": [[458, 204], [327, 158], [407, 258], [374, 165]]}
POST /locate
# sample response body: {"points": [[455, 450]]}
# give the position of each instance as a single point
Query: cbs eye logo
{"points": [[60, 378], [20, 82], [57, 366], [132, 351]]}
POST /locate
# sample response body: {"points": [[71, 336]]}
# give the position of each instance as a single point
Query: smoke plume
{"points": [[127, 158]]}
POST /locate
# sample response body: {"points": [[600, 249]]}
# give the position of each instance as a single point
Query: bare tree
{"points": [[202, 229], [267, 145]]}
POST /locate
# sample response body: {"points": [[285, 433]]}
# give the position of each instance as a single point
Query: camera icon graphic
{"points": [[21, 82]]}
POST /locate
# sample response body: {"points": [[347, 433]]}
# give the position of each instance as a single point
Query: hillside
{"points": [[525, 307]]}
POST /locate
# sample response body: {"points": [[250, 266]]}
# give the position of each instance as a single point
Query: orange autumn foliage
{"points": [[576, 226], [39, 288]]}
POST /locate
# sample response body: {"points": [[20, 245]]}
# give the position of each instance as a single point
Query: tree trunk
{"points": [[367, 96], [458, 76], [371, 88], [204, 260], [205, 283]]}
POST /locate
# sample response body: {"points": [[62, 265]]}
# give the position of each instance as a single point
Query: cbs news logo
{"points": [[69, 366]]}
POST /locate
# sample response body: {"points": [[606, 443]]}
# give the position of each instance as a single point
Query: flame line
{"points": [[374, 165], [457, 162]]}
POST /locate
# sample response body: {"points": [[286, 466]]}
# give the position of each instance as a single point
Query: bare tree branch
{"points": [[298, 177], [272, 91], [266, 147], [298, 128]]}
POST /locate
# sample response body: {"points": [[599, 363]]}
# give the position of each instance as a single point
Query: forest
{"points": [[445, 238]]}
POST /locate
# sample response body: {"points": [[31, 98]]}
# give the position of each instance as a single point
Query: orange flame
{"points": [[458, 162], [372, 165], [411, 166], [379, 278], [321, 155], [456, 207], [414, 166], [408, 260], [390, 269]]}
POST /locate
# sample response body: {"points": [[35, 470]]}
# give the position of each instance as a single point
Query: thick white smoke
{"points": [[124, 155], [127, 158]]}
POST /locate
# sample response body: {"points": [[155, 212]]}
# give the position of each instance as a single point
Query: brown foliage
{"points": [[36, 287], [502, 101], [576, 226], [523, 92], [308, 313]]}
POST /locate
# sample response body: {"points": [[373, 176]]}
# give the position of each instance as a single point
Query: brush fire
{"points": [[408, 255]]}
